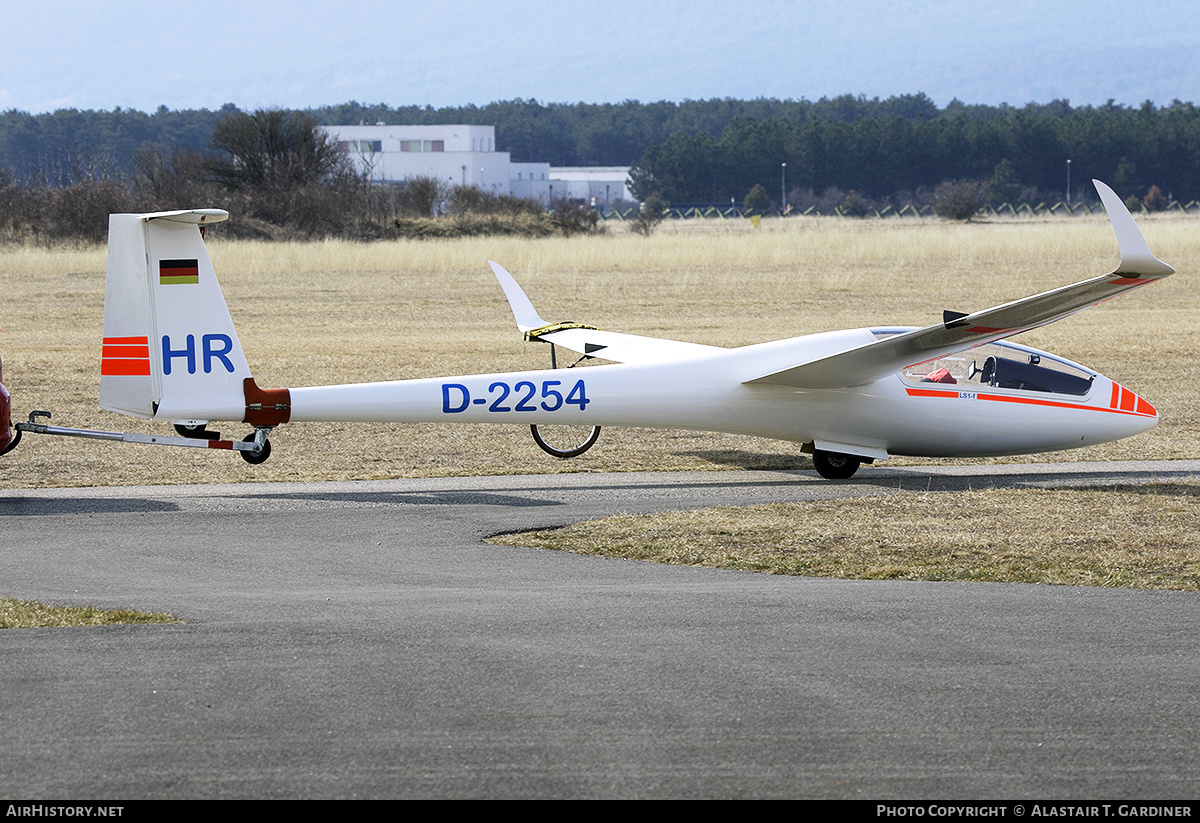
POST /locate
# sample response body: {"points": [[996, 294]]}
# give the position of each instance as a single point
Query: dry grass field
{"points": [[315, 313]]}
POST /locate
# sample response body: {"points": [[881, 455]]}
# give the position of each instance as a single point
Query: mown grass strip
{"points": [[1142, 537], [26, 614]]}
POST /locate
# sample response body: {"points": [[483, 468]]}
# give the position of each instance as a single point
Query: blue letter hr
{"points": [[211, 350]]}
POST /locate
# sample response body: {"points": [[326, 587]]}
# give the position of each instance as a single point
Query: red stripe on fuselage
{"points": [[1031, 401]]}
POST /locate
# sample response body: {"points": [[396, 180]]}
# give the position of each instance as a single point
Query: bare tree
{"points": [[171, 181], [958, 199], [285, 170], [424, 196], [273, 149], [648, 216]]}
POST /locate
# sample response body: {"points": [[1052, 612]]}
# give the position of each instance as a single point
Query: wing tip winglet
{"points": [[523, 311], [1136, 257]]}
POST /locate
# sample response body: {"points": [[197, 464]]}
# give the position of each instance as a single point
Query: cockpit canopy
{"points": [[1001, 365]]}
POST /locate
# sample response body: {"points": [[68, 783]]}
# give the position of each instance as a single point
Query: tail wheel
{"points": [[565, 441], [199, 432], [834, 465], [257, 456]]}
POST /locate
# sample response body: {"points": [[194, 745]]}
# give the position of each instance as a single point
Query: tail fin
{"points": [[170, 351]]}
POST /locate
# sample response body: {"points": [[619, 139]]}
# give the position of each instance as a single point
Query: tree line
{"points": [[884, 150], [890, 159], [64, 145], [850, 152]]}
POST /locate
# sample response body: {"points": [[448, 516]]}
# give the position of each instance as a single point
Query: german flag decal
{"points": [[176, 272]]}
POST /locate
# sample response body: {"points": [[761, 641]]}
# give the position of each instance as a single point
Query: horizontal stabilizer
{"points": [[188, 216]]}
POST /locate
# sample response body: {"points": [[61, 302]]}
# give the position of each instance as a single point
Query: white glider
{"points": [[953, 389]]}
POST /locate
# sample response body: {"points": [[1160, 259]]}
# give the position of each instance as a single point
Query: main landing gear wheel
{"points": [[565, 441], [834, 465], [257, 456]]}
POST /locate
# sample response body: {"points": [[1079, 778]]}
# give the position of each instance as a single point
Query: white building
{"points": [[467, 156], [599, 185]]}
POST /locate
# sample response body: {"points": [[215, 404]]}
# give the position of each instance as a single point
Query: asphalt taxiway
{"points": [[360, 640]]}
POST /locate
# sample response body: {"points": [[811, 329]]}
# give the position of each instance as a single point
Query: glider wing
{"points": [[957, 332], [588, 340]]}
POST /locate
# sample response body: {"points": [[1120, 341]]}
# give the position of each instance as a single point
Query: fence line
{"points": [[1021, 209]]}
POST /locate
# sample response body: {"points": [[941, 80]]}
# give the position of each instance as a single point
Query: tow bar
{"points": [[255, 448]]}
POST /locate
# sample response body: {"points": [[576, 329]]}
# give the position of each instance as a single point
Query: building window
{"points": [[422, 145]]}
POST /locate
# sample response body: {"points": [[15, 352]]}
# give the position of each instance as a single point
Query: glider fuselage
{"points": [[902, 413]]}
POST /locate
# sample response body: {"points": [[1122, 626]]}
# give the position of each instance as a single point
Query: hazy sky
{"points": [[140, 55]]}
